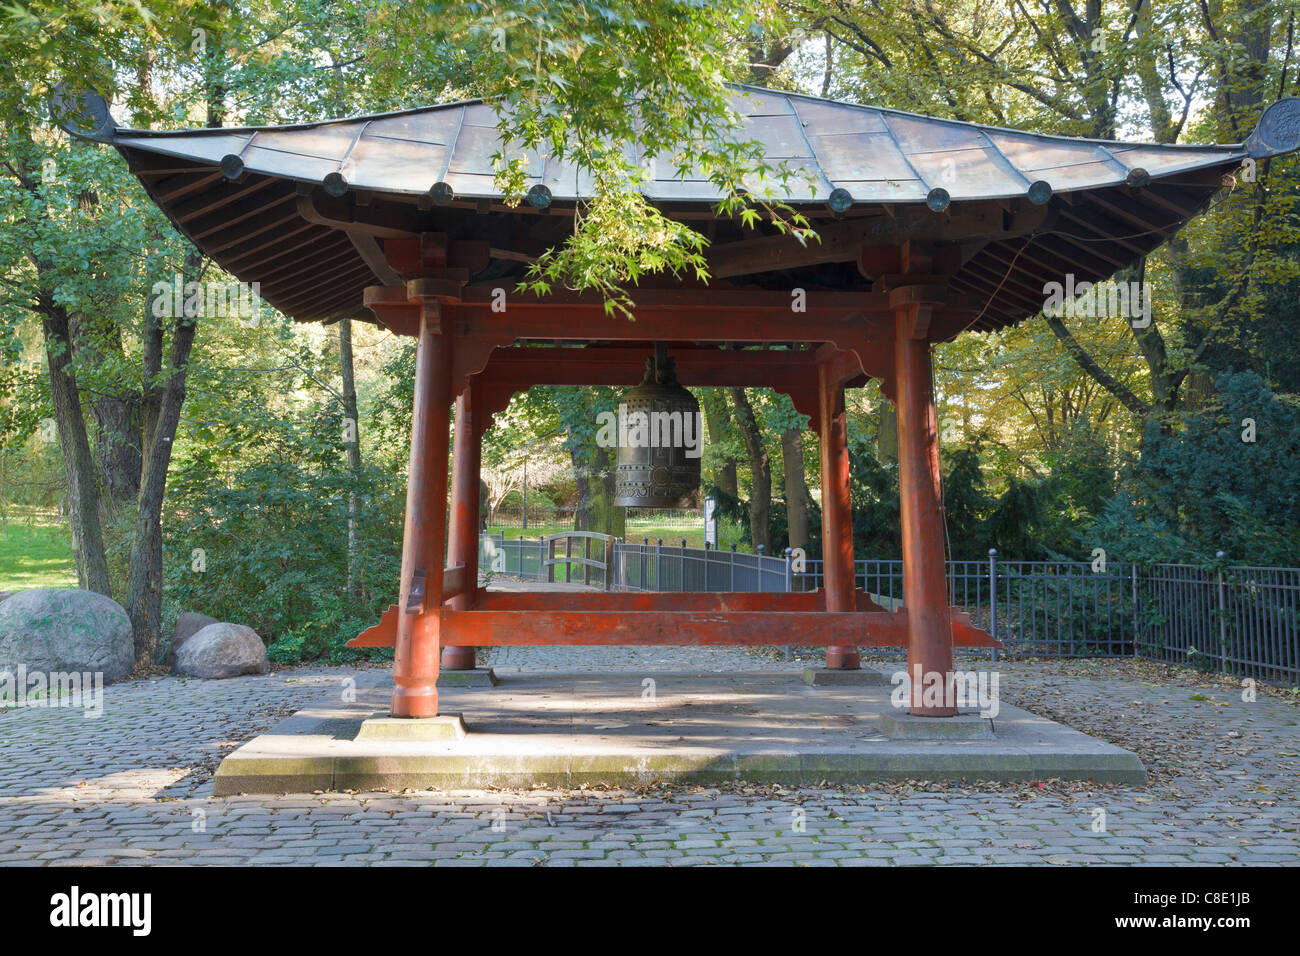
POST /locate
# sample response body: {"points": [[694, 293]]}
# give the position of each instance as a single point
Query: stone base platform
{"points": [[900, 725], [475, 677], [618, 729], [826, 677]]}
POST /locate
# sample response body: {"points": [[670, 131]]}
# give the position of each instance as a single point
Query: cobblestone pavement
{"points": [[134, 786]]}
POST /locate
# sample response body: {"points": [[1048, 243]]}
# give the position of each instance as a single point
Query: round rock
{"points": [[222, 650], [52, 630], [187, 625]]}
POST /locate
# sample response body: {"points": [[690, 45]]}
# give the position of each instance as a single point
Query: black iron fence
{"points": [[1237, 620]]}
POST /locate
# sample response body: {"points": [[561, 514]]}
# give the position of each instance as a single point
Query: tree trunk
{"points": [[715, 416], [760, 470], [352, 437], [796, 487], [79, 465], [162, 413], [595, 480], [117, 450]]}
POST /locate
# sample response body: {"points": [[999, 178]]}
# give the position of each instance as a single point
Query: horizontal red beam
{"points": [[614, 624], [748, 628]]}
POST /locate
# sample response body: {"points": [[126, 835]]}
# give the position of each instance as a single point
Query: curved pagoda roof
{"points": [[303, 209]]}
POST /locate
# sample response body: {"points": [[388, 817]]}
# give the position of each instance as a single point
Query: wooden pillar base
{"points": [[458, 658], [415, 697], [843, 659]]}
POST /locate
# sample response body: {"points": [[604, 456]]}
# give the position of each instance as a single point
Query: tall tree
{"points": [[717, 418], [352, 442], [796, 486], [760, 469]]}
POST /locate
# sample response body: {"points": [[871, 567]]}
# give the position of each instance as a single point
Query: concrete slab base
{"points": [[900, 725], [478, 677], [387, 727], [566, 730], [825, 677]]}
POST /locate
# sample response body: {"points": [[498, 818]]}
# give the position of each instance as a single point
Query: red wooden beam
{"points": [[684, 628], [592, 618]]}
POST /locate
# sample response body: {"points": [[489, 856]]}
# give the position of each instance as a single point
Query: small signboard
{"points": [[711, 522]]}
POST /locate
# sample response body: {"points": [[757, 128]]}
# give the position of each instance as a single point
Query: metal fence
{"points": [[1243, 621], [1238, 620], [550, 515], [645, 566]]}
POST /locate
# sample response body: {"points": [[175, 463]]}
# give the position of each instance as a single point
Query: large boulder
{"points": [[52, 630], [222, 650], [187, 625]]}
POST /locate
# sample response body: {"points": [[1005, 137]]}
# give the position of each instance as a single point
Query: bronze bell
{"points": [[659, 440]]}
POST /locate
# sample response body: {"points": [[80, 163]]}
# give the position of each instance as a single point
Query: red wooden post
{"points": [[925, 586], [837, 521], [415, 664], [463, 535]]}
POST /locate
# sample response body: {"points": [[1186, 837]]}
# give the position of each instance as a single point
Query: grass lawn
{"points": [[36, 547], [35, 552]]}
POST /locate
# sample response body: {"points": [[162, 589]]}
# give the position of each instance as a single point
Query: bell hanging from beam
{"points": [[659, 440]]}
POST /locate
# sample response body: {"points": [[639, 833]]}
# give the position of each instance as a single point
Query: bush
{"points": [[1200, 488], [268, 549]]}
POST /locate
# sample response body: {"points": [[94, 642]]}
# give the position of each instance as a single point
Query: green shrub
{"points": [[268, 548]]}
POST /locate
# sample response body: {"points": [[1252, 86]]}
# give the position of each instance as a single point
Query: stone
{"points": [[222, 650], [187, 625], [5, 595], [826, 677], [61, 630], [478, 677], [900, 725], [388, 727]]}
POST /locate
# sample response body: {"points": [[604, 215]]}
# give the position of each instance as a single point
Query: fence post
{"points": [[682, 575], [733, 565], [1223, 615], [993, 598], [659, 565], [545, 572], [789, 586], [645, 543], [521, 555], [1137, 633]]}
